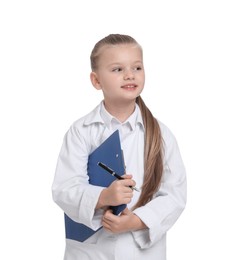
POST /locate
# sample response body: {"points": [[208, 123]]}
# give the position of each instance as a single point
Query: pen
{"points": [[113, 173]]}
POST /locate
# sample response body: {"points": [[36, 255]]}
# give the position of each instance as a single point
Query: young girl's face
{"points": [[120, 73]]}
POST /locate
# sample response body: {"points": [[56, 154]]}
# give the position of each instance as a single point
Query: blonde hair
{"points": [[153, 149]]}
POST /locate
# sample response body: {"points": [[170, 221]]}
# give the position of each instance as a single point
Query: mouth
{"points": [[129, 86]]}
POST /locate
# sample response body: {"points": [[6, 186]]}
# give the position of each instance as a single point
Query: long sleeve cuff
{"points": [[89, 216], [146, 237]]}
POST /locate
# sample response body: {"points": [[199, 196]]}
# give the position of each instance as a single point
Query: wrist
{"points": [[138, 224], [101, 203]]}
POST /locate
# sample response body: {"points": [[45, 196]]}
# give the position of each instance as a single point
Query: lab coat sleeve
{"points": [[163, 210], [71, 189]]}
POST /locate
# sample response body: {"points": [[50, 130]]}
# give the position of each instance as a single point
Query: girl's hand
{"points": [[117, 193], [127, 221]]}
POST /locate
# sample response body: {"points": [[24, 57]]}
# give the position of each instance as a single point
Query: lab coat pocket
{"points": [[82, 250]]}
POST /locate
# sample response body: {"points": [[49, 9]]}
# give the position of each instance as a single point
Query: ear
{"points": [[94, 80]]}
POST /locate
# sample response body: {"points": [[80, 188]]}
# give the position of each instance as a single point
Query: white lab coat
{"points": [[78, 199]]}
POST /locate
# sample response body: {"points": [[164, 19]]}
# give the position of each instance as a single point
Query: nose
{"points": [[129, 74]]}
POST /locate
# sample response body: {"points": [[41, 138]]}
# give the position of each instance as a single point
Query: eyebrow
{"points": [[119, 63]]}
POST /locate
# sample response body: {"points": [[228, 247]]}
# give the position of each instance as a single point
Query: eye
{"points": [[117, 69], [137, 68]]}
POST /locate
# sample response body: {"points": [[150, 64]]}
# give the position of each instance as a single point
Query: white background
{"points": [[44, 80]]}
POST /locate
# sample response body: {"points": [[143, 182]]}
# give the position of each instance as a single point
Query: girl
{"points": [[152, 159]]}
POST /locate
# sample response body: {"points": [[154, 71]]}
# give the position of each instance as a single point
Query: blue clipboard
{"points": [[109, 153]]}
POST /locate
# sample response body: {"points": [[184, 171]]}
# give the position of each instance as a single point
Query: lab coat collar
{"points": [[101, 115]]}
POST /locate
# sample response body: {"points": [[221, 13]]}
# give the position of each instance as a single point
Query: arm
{"points": [[150, 222], [71, 189], [163, 210]]}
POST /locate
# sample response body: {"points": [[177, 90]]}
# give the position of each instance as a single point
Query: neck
{"points": [[120, 111]]}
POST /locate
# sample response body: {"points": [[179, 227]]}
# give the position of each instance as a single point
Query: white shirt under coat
{"points": [[78, 199]]}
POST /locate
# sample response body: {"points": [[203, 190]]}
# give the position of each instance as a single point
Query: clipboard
{"points": [[110, 153]]}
